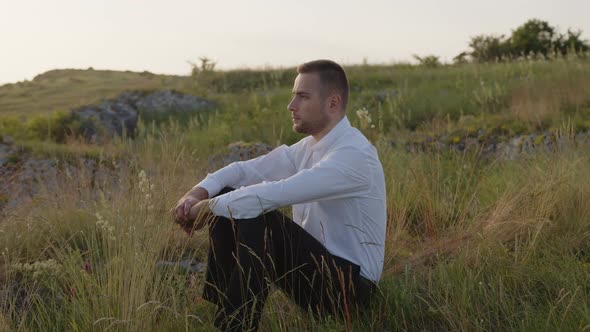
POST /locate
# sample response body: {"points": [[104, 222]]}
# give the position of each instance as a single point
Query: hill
{"points": [[63, 89]]}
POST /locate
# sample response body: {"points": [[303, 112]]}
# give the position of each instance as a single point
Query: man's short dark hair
{"points": [[332, 77]]}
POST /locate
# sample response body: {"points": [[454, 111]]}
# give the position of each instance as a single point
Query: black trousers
{"points": [[246, 256]]}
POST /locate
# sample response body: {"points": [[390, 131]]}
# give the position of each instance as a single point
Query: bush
{"points": [[56, 127], [11, 126]]}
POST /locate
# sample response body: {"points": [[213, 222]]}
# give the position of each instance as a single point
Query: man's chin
{"points": [[302, 130]]}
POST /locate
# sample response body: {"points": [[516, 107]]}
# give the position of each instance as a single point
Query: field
{"points": [[473, 244]]}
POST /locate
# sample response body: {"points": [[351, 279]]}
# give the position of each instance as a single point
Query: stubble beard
{"points": [[311, 128]]}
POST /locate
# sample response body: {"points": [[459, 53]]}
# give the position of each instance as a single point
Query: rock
{"points": [[386, 94], [582, 138], [500, 147], [8, 140], [238, 151], [527, 145], [5, 154], [549, 142], [563, 143], [410, 147], [186, 266], [471, 144], [509, 150], [169, 101], [488, 149], [119, 116], [459, 146], [115, 117], [13, 295], [36, 177]]}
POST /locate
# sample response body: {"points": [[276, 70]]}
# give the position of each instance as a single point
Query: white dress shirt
{"points": [[336, 187]]}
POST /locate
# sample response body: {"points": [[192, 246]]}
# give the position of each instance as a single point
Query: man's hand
{"points": [[199, 216], [182, 210]]}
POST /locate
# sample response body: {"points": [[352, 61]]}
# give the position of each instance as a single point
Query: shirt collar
{"points": [[327, 141]]}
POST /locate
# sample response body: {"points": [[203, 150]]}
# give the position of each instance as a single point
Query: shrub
{"points": [[56, 127]]}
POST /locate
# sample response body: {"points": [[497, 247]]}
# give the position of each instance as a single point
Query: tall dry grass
{"points": [[471, 245]]}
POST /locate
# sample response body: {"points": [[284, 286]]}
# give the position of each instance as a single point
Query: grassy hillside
{"points": [[60, 90], [529, 95], [472, 244]]}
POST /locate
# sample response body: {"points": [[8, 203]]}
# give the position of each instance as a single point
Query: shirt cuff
{"points": [[219, 205], [212, 186]]}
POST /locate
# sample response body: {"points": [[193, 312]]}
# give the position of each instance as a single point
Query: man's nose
{"points": [[291, 105]]}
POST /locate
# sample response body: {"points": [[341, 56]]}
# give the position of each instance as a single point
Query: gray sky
{"points": [[161, 36]]}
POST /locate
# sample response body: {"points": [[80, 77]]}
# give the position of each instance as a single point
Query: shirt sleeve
{"points": [[340, 174], [275, 165]]}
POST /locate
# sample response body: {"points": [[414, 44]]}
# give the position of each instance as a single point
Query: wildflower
{"points": [[146, 189], [39, 268], [105, 226], [365, 117], [86, 266], [144, 183], [130, 230]]}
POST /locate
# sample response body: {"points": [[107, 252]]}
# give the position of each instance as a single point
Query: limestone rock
{"points": [[119, 116], [35, 178], [5, 154], [500, 147]]}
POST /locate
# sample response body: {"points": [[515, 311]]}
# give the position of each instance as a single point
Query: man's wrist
{"points": [[205, 205], [199, 193]]}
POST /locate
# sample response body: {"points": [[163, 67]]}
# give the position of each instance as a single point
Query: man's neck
{"points": [[327, 129]]}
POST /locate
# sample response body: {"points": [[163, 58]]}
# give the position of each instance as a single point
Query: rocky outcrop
{"points": [[490, 145], [7, 150], [486, 145], [24, 177], [119, 116]]}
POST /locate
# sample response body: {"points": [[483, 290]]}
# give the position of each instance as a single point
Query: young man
{"points": [[329, 257]]}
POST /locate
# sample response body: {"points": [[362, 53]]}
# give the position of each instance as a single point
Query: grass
{"points": [[536, 95], [60, 90], [472, 244]]}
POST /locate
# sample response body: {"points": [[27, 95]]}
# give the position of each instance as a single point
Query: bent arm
{"points": [[340, 174], [277, 164]]}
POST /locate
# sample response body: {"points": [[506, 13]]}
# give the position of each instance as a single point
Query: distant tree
{"points": [[489, 48], [533, 37], [206, 65], [571, 42], [461, 58], [430, 61]]}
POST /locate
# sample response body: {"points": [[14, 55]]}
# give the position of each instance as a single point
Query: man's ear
{"points": [[335, 101]]}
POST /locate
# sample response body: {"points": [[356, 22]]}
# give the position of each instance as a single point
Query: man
{"points": [[329, 257]]}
